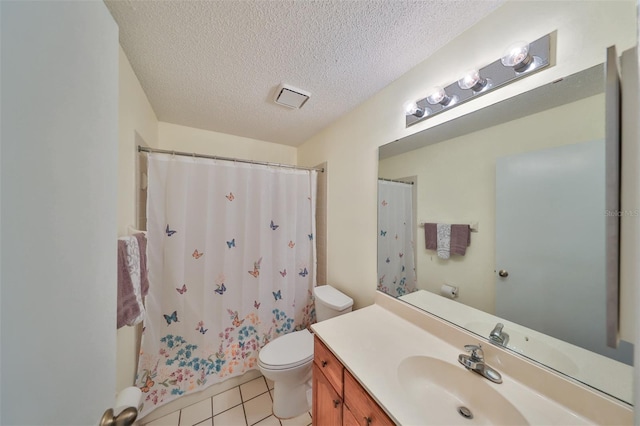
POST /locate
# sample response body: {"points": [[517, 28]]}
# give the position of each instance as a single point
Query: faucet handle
{"points": [[477, 354]]}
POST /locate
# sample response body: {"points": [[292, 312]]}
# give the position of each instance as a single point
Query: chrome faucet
{"points": [[498, 336], [475, 363]]}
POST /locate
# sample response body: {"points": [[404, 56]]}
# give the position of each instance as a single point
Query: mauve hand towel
{"points": [[128, 309], [460, 239], [144, 273], [431, 236]]}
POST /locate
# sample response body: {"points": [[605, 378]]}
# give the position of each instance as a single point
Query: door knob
{"points": [[503, 273]]}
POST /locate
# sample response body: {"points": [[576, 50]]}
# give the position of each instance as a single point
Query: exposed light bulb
{"points": [[517, 56], [441, 97], [474, 81], [412, 108]]}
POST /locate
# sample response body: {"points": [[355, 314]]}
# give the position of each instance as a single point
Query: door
{"points": [[550, 234], [59, 211]]}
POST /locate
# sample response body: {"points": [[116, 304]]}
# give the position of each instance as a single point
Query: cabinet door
{"points": [[365, 410], [327, 404], [348, 419]]}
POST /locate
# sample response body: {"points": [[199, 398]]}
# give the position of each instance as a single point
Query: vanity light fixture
{"points": [[518, 61]]}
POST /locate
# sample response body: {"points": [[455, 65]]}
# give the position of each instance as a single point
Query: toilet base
{"points": [[290, 400]]}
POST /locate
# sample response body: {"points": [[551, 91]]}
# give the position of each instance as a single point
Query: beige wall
{"points": [[189, 139], [349, 146], [457, 177], [137, 125]]}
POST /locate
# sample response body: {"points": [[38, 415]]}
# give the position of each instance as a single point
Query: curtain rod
{"points": [[395, 181], [215, 157]]}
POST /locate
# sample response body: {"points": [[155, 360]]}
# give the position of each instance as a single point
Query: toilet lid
{"points": [[332, 297], [287, 351]]}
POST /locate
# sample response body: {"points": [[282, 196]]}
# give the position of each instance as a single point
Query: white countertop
{"points": [[372, 342]]}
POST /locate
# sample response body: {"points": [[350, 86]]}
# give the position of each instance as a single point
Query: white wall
{"points": [[584, 30], [58, 174]]}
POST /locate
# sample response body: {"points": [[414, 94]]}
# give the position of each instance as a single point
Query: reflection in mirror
{"points": [[396, 230], [529, 171]]}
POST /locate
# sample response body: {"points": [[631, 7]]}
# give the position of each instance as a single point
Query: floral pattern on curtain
{"points": [[396, 262], [231, 258]]}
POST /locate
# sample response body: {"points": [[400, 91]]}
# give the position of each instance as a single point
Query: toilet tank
{"points": [[331, 302]]}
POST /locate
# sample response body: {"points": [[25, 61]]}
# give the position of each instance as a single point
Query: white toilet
{"points": [[287, 360]]}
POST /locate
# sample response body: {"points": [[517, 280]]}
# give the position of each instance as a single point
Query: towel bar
{"points": [[473, 226]]}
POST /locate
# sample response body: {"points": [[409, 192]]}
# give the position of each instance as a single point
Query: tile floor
{"points": [[245, 405]]}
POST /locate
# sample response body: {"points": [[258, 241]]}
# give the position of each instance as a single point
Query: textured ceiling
{"points": [[216, 65]]}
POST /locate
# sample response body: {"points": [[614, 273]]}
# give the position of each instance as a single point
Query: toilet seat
{"points": [[288, 351]]}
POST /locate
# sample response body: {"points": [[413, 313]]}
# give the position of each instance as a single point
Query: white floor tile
{"points": [[227, 409], [196, 413], [232, 417], [302, 420], [225, 400], [258, 408], [269, 383], [168, 420], [253, 388], [269, 421]]}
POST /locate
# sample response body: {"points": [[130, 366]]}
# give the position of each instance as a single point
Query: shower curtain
{"points": [[231, 259], [396, 261]]}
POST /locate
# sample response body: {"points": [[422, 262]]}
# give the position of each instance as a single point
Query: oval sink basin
{"points": [[531, 346], [447, 393]]}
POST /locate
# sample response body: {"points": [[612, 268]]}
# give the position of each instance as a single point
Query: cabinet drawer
{"points": [[365, 410], [328, 364]]}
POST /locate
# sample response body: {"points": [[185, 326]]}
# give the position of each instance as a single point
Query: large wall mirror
{"points": [[528, 175]]}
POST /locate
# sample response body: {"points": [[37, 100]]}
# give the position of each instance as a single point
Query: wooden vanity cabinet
{"points": [[364, 409], [338, 398]]}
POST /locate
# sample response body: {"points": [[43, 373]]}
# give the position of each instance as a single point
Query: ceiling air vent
{"points": [[291, 97]]}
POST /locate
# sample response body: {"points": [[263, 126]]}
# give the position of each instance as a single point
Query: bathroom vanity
{"points": [[367, 372], [338, 398]]}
